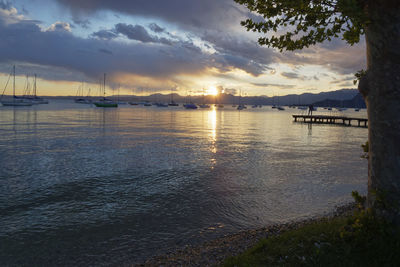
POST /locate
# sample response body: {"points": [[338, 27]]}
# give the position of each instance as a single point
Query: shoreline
{"points": [[214, 252]]}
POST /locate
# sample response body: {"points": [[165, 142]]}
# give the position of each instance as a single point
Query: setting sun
{"points": [[212, 90]]}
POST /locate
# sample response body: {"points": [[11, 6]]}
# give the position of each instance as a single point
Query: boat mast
{"points": [[34, 87], [14, 82], [104, 86]]}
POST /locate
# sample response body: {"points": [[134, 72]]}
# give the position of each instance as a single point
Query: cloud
{"points": [[211, 21], [231, 91], [291, 75], [195, 17], [135, 32], [59, 27], [5, 5], [9, 14], [283, 86], [84, 23], [243, 53], [346, 79], [206, 35], [105, 34], [105, 51], [132, 32], [25, 41], [187, 14], [155, 28], [336, 56]]}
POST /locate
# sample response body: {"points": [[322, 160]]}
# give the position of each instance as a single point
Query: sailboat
{"points": [[16, 101], [241, 106], [119, 101], [80, 99], [189, 104], [217, 102], [172, 103], [273, 102], [278, 107], [204, 105], [105, 103], [35, 99]]}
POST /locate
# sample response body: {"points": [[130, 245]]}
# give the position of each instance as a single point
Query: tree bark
{"points": [[381, 90]]}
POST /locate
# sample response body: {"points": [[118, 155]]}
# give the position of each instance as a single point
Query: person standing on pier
{"points": [[310, 109]]}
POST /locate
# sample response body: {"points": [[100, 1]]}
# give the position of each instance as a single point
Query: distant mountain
{"points": [[303, 99], [356, 102], [308, 98], [349, 97]]}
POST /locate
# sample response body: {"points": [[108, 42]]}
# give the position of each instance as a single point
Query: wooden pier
{"points": [[324, 119]]}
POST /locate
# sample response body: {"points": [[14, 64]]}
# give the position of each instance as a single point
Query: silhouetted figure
{"points": [[310, 109]]}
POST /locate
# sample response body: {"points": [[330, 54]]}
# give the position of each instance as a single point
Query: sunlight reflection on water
{"points": [[82, 185]]}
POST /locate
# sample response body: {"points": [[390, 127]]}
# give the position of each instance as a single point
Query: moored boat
{"points": [[16, 101], [190, 106], [104, 102]]}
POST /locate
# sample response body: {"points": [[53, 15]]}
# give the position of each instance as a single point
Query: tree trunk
{"points": [[381, 90]]}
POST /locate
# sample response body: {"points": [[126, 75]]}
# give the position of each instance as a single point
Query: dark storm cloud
{"points": [[209, 20], [155, 28], [132, 32], [104, 34], [135, 32], [191, 13], [25, 42], [215, 22]]}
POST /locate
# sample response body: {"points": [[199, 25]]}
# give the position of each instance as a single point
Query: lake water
{"points": [[81, 185]]}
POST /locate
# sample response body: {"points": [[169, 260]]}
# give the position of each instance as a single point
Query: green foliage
{"points": [[359, 74], [360, 200], [362, 239], [306, 22]]}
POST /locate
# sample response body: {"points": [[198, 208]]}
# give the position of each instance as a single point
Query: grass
{"points": [[358, 240]]}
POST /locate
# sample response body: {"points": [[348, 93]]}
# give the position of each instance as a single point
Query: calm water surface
{"points": [[81, 185]]}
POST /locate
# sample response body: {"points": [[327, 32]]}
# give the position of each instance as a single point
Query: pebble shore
{"points": [[214, 252]]}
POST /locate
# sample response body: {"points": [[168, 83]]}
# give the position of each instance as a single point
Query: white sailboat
{"points": [[104, 102], [80, 98], [36, 100], [16, 101]]}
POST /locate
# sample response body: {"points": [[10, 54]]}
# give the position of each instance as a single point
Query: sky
{"points": [[158, 46]]}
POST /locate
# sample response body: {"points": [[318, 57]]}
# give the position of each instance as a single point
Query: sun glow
{"points": [[212, 90]]}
